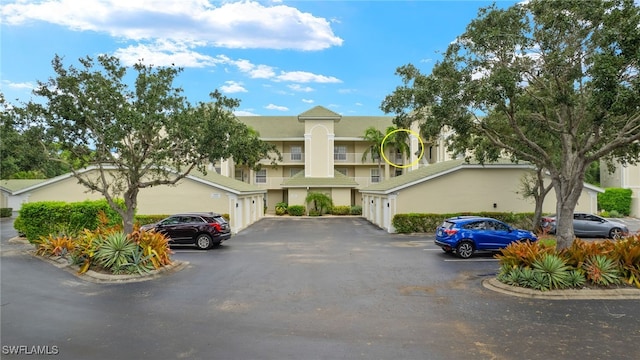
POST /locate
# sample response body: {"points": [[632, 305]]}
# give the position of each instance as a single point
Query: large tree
{"points": [[554, 83], [137, 136], [21, 155]]}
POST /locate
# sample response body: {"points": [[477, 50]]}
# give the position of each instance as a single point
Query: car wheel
{"points": [[465, 249], [615, 233], [203, 241]]}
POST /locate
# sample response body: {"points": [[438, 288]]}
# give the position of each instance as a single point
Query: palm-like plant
{"points": [[320, 201], [374, 137]]}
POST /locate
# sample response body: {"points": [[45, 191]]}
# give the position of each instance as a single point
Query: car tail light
{"points": [[215, 225], [450, 231]]}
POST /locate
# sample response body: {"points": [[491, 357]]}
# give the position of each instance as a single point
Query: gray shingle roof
{"points": [[319, 112], [236, 186]]}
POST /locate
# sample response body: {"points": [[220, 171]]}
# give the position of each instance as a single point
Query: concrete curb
{"points": [[567, 294]]}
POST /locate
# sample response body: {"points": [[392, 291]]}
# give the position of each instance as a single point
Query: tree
{"points": [[136, 136], [533, 186], [321, 202], [21, 154], [397, 141], [554, 83]]}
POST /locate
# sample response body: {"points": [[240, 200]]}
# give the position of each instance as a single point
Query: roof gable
{"points": [[319, 112], [338, 180]]}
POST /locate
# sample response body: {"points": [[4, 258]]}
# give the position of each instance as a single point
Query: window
{"points": [[294, 171], [375, 175], [340, 153], [261, 176], [239, 175], [296, 153], [343, 171]]}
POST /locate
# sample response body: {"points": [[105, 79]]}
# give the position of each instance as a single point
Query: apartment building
{"points": [[323, 151]]}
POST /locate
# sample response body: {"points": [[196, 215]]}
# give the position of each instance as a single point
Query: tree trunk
{"points": [[567, 195], [130, 202]]}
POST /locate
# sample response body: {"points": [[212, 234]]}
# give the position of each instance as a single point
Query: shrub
{"points": [[601, 270], [341, 210], [356, 210], [616, 199], [627, 253], [281, 208], [55, 246], [6, 212], [116, 252], [297, 210], [523, 253], [419, 222], [154, 245], [321, 202], [554, 269], [43, 218], [148, 219]]}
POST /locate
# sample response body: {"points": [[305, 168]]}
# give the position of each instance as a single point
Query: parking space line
{"points": [[471, 260]]}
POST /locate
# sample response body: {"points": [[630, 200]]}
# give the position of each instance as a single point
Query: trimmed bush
{"points": [[416, 223], [296, 210], [341, 210], [41, 219], [148, 219], [6, 212], [616, 199], [356, 210], [281, 208]]}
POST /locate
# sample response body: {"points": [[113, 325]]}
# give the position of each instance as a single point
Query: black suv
{"points": [[204, 230]]}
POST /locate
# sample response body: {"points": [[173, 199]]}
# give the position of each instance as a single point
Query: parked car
{"points": [[589, 225], [204, 230], [465, 235]]}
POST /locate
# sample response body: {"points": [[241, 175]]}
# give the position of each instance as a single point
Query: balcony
{"points": [[275, 182]]}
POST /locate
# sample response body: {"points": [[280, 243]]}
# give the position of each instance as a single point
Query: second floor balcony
{"points": [[338, 159]]}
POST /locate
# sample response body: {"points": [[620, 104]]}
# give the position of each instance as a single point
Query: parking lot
{"points": [[319, 288]]}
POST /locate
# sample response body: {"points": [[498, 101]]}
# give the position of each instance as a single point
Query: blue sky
{"points": [[277, 57]]}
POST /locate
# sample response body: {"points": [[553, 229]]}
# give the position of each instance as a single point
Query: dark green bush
{"points": [[416, 223], [296, 210], [356, 210], [6, 212], [281, 208], [341, 210], [149, 219], [56, 217], [616, 199]]}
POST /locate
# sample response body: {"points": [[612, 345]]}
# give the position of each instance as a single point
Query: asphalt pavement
{"points": [[319, 288]]}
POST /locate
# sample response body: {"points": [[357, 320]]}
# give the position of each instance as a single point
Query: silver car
{"points": [[589, 225]]}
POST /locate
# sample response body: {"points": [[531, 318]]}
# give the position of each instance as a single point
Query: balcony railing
{"points": [[275, 182], [338, 159]]}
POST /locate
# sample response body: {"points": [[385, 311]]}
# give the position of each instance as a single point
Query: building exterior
{"points": [[323, 152], [626, 177]]}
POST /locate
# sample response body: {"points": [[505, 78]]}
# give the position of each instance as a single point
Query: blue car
{"points": [[465, 235]]}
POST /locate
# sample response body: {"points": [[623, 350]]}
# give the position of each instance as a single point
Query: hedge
{"points": [[616, 199], [427, 223], [57, 217], [6, 212], [296, 210], [341, 210]]}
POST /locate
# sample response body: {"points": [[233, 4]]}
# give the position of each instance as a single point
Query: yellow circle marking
{"points": [[411, 132]]}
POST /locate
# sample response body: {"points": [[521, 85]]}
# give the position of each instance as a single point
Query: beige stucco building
{"points": [[323, 151]]}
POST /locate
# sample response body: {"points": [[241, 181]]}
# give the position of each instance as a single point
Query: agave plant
{"points": [[554, 269], [576, 278], [601, 270], [116, 251], [138, 263]]}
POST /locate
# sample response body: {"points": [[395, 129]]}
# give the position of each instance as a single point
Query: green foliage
{"points": [[149, 219], [527, 101], [281, 208], [115, 252], [554, 269], [55, 246], [627, 253], [296, 210], [154, 245], [601, 270], [576, 278], [6, 212], [341, 210], [43, 218], [416, 223], [615, 199], [356, 210], [133, 119], [321, 202]]}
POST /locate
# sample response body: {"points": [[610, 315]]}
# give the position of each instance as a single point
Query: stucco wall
{"points": [[341, 196]]}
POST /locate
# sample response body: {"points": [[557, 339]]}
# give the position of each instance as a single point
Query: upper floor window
{"points": [[294, 171], [340, 152], [375, 175], [261, 176], [296, 153]]}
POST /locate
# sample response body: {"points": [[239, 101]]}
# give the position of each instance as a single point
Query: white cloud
{"points": [[305, 77], [245, 113], [240, 24], [276, 107], [18, 85], [166, 53], [232, 87], [308, 101], [300, 88]]}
